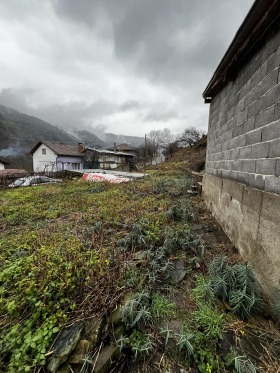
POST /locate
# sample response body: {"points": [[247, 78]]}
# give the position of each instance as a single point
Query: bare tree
{"points": [[190, 136]]}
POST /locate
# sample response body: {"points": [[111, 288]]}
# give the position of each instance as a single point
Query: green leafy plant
{"points": [[184, 343], [235, 284], [138, 342], [166, 332], [243, 364], [136, 311], [210, 321], [161, 307]]}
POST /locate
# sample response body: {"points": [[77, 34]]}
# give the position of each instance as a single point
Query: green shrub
{"points": [[235, 284]]}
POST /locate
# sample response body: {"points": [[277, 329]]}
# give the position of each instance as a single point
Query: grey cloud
{"points": [[150, 31], [16, 98], [130, 104], [117, 63], [162, 116]]}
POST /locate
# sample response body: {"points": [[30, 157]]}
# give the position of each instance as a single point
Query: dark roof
{"points": [[60, 149], [122, 147], [261, 20], [4, 162]]}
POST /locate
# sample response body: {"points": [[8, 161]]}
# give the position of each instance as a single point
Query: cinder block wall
{"points": [[244, 124], [241, 185]]}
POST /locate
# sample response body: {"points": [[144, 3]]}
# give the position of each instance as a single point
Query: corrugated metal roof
{"points": [[100, 151], [122, 147]]}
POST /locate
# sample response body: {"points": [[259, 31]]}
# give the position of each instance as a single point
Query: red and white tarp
{"points": [[105, 177]]}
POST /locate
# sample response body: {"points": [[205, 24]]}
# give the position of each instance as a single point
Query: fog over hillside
{"points": [[19, 133]]}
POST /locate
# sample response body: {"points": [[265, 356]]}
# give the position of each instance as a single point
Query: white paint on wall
{"points": [[44, 159]]}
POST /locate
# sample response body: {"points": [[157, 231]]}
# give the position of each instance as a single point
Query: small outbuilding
{"points": [[107, 159]]}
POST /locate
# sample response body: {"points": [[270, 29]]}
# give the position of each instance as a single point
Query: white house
{"points": [[49, 156], [3, 164]]}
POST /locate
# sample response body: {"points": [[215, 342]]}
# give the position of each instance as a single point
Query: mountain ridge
{"points": [[19, 133]]}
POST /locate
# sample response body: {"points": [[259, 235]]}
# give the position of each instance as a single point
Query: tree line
{"points": [[165, 143]]}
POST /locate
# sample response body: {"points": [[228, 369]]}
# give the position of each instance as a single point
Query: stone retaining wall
{"points": [[251, 219]]}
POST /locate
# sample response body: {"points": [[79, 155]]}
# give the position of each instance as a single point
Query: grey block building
{"points": [[242, 178]]}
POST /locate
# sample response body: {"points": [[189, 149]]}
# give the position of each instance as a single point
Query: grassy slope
{"points": [[64, 253]]}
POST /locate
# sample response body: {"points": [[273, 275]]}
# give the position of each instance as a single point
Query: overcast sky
{"points": [[123, 66]]}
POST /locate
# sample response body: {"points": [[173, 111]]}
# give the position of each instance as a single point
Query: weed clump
{"points": [[236, 285]]}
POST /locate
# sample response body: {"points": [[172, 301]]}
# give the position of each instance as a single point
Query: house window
{"points": [[75, 166], [44, 151]]}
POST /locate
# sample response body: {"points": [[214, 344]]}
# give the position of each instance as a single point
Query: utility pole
{"points": [[145, 153]]}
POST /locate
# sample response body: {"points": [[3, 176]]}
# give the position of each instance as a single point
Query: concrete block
{"points": [[257, 181], [243, 177], [274, 149], [265, 117], [234, 154], [242, 116], [273, 61], [253, 95], [237, 131], [237, 165], [245, 152], [277, 111], [239, 107], [244, 90], [240, 81], [227, 155], [235, 190], [231, 93], [253, 137], [254, 66], [249, 165], [232, 122], [270, 208], [252, 224], [277, 172], [240, 141], [266, 166], [224, 174], [234, 100], [260, 150], [223, 143], [248, 233], [223, 120], [232, 175], [248, 125], [271, 97], [230, 113], [268, 82], [270, 47], [259, 75], [271, 132], [231, 143], [256, 107]]}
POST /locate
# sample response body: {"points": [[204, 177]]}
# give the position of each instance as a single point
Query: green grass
{"points": [[59, 259]]}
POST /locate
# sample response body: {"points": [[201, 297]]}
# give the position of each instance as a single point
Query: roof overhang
{"points": [[109, 152], [262, 18]]}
